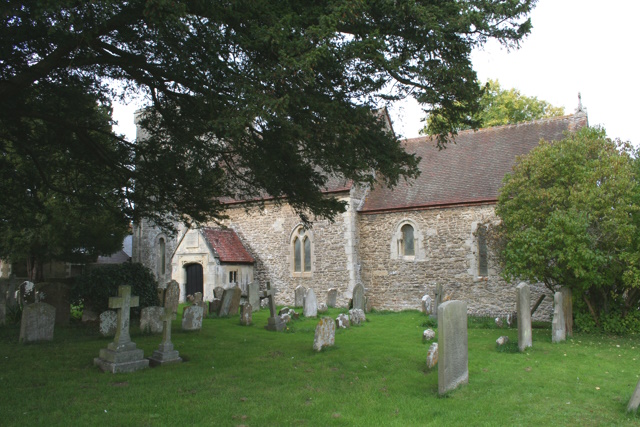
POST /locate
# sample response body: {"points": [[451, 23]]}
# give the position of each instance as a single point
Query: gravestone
{"points": [[108, 323], [426, 305], [428, 334], [218, 291], [274, 323], [634, 402], [558, 325], [230, 302], [358, 297], [342, 321], [523, 310], [322, 307], [310, 304], [165, 353], [215, 305], [245, 314], [192, 318], [235, 301], [432, 355], [253, 295], [172, 296], [197, 300], [151, 319], [453, 366], [300, 292], [37, 322], [56, 294], [437, 300], [356, 316], [567, 308], [325, 334], [121, 355], [332, 296]]}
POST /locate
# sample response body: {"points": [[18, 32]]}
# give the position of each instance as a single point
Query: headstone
{"points": [[322, 308], [245, 314], [332, 296], [358, 297], [253, 295], [151, 319], [215, 305], [192, 318], [121, 355], [218, 291], [356, 316], [432, 355], [197, 300], [437, 301], [230, 302], [300, 292], [165, 354], [502, 340], [523, 310], [274, 322], [499, 322], [37, 322], [558, 325], [426, 304], [342, 321], [428, 334], [325, 334], [56, 294], [634, 402], [172, 296], [108, 323], [567, 308], [453, 369], [310, 304]]}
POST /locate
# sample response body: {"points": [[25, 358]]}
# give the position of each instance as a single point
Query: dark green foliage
{"points": [[94, 288]]}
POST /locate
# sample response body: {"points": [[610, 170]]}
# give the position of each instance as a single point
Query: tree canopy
{"points": [[569, 217], [500, 106], [245, 97]]}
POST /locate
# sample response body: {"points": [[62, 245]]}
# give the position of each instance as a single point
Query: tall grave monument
{"points": [[275, 322], [523, 304], [165, 353], [453, 355]]}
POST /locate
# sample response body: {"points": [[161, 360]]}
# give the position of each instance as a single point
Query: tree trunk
{"points": [[593, 313]]}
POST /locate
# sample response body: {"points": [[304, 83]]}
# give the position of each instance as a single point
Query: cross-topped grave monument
{"points": [[274, 323], [121, 355], [165, 353]]}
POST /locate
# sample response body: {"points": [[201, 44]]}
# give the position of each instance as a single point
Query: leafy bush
{"points": [[94, 288]]}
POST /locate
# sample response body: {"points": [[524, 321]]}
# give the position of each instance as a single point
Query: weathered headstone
{"points": [[358, 297], [253, 296], [310, 304], [197, 300], [342, 321], [428, 334], [121, 355], [502, 340], [567, 308], [235, 301], [108, 323], [56, 294], [275, 322], [151, 319], [325, 334], [230, 302], [634, 402], [426, 304], [432, 355], [558, 324], [218, 291], [300, 292], [437, 300], [523, 310], [332, 296], [322, 307], [165, 353], [215, 305], [37, 322], [453, 366], [357, 316], [245, 314], [172, 296], [192, 318]]}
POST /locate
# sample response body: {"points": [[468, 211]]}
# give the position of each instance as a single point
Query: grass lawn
{"points": [[374, 375]]}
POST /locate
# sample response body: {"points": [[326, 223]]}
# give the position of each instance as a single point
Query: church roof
{"points": [[471, 170], [227, 245]]}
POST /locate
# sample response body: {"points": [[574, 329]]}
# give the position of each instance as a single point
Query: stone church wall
{"points": [[447, 255]]}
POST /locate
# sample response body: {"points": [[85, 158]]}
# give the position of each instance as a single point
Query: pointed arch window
{"points": [[302, 248]]}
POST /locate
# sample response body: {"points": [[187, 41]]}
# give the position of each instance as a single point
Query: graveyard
{"points": [[232, 374]]}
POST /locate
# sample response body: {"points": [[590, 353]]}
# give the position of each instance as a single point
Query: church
{"points": [[399, 243]]}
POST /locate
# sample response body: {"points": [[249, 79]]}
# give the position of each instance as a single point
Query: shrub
{"points": [[94, 288]]}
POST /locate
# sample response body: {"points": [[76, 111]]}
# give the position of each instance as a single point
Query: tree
{"points": [[505, 107], [569, 217], [247, 97]]}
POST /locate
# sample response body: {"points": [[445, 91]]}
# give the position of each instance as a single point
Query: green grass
{"points": [[374, 375]]}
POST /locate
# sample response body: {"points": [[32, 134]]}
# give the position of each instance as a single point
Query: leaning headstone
{"points": [[634, 402], [151, 319], [253, 295], [558, 325], [192, 318], [108, 323], [453, 366], [325, 334], [358, 297], [426, 304], [37, 322], [523, 310], [310, 304], [121, 355], [322, 307], [432, 356], [225, 305], [245, 314], [215, 305], [172, 296], [274, 322], [218, 291], [56, 294], [567, 308], [300, 292], [332, 296], [357, 316], [342, 321]]}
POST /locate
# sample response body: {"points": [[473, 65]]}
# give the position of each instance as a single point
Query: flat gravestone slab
{"points": [[358, 297], [325, 334], [523, 310], [151, 319], [332, 296], [192, 318], [108, 323], [453, 355], [172, 296], [299, 293], [310, 304], [37, 322]]}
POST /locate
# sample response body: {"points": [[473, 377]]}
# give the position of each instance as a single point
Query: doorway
{"points": [[194, 278]]}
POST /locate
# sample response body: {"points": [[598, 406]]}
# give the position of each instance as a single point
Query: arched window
{"points": [[301, 246], [407, 242], [481, 239]]}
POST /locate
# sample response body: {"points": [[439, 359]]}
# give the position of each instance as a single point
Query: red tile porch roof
{"points": [[227, 245]]}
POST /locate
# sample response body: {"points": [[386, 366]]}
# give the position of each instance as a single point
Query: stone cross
{"points": [[271, 294], [123, 303]]}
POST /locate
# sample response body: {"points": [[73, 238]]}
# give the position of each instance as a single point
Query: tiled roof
{"points": [[115, 258], [471, 170], [227, 245]]}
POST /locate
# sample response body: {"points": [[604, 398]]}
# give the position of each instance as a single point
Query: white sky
{"points": [[586, 46]]}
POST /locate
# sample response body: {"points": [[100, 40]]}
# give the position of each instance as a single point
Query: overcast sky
{"points": [[586, 46]]}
